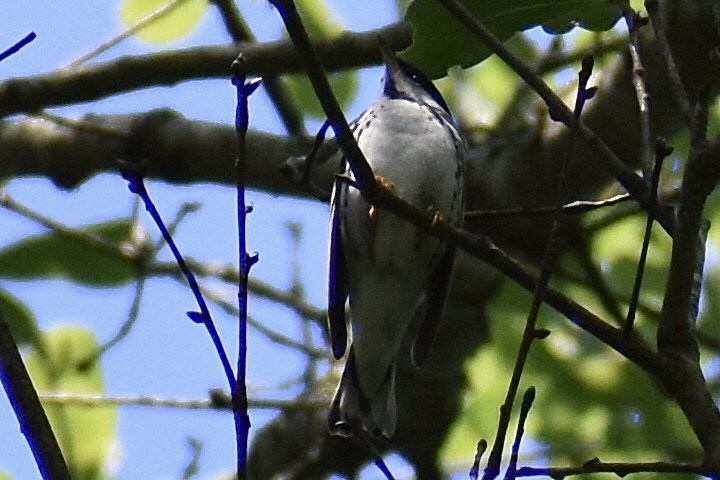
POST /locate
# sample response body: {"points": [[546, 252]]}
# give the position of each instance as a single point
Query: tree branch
{"points": [[99, 80]]}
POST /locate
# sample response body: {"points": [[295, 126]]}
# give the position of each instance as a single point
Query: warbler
{"points": [[390, 270]]}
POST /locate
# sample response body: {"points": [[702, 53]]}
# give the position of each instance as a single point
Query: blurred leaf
{"points": [[52, 255], [4, 476], [60, 367], [318, 18], [344, 85], [320, 23], [19, 318], [590, 400], [481, 93], [440, 41], [178, 23]]}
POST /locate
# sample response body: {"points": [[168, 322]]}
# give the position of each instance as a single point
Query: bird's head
{"points": [[402, 80]]}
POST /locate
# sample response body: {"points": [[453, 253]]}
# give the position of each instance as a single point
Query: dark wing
{"points": [[435, 297], [337, 276]]}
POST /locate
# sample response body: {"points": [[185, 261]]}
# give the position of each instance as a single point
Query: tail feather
{"points": [[352, 409]]}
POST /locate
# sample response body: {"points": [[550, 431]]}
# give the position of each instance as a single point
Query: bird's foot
{"points": [[422, 234], [438, 217]]}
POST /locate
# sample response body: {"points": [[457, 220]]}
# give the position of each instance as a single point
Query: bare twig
{"points": [[133, 29], [572, 208], [661, 152], [212, 402], [528, 399], [551, 250], [245, 262], [619, 469], [133, 171], [14, 48], [678, 91], [474, 473], [634, 22], [30, 414], [285, 105], [230, 274]]}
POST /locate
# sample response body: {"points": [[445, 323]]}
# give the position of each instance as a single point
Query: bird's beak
{"points": [[389, 57], [391, 64]]}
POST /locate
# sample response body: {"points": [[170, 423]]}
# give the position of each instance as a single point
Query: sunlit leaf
{"points": [[60, 367], [52, 255], [178, 23]]}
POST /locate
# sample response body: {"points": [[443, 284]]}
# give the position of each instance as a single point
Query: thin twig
{"points": [[474, 473], [634, 22], [257, 287], [30, 414], [130, 31], [530, 332], [661, 152], [572, 208], [262, 329], [285, 104], [619, 469], [134, 171], [213, 402], [245, 262], [528, 399], [14, 48], [678, 90]]}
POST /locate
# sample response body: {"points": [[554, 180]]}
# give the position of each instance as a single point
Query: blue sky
{"points": [[166, 355]]}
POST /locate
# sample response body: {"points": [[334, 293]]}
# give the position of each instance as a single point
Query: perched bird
{"points": [[391, 271]]}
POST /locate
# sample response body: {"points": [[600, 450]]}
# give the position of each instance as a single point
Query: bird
{"points": [[390, 270]]}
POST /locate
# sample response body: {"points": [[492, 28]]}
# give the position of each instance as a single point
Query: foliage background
{"points": [[591, 402]]}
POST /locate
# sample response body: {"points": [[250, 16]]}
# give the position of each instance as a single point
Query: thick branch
{"points": [[177, 150], [99, 80]]}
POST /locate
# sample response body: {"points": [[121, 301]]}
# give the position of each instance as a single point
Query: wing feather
{"points": [[337, 276], [435, 297]]}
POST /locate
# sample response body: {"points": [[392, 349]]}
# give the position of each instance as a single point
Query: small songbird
{"points": [[391, 270]]}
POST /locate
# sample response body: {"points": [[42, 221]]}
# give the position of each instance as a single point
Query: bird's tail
{"points": [[352, 409]]}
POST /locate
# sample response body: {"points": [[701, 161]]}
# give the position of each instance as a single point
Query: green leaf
{"points": [[344, 85], [19, 318], [320, 23], [318, 18], [441, 41], [84, 433], [590, 401], [176, 24], [52, 255], [589, 15]]}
